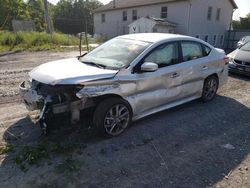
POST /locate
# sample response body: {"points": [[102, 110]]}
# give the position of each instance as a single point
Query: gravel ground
{"points": [[193, 145]]}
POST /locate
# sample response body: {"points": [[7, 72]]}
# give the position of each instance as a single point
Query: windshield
{"points": [[116, 53], [246, 47]]}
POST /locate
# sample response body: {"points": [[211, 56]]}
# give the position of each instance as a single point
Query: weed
{"points": [[68, 166], [31, 155], [5, 149]]}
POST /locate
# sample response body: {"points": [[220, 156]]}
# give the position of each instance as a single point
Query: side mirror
{"points": [[149, 67]]}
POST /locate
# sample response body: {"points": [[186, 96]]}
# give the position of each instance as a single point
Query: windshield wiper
{"points": [[95, 64]]}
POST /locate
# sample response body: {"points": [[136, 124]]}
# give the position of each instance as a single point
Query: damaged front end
{"points": [[52, 100]]}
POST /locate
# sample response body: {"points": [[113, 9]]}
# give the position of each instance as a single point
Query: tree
{"points": [[72, 16], [36, 11], [243, 23], [12, 9]]}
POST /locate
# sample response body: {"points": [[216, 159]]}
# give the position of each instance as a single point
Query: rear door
{"points": [[194, 65]]}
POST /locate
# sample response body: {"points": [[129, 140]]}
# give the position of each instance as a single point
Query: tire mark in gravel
{"points": [[9, 100]]}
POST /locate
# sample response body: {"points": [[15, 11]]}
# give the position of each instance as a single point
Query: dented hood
{"points": [[69, 71]]}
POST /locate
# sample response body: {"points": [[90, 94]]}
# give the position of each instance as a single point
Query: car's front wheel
{"points": [[112, 116], [210, 88]]}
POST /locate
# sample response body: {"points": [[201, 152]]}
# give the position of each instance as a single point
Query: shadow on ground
{"points": [[240, 77], [181, 147]]}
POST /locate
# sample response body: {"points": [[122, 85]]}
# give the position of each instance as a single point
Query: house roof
{"points": [[121, 4], [234, 4], [163, 22], [158, 21]]}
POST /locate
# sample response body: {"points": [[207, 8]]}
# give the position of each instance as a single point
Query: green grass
{"points": [[35, 41]]}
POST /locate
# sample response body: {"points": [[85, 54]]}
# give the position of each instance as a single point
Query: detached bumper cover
{"points": [[31, 99]]}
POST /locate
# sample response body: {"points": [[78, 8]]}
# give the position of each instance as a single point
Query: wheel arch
{"points": [[215, 75], [99, 99]]}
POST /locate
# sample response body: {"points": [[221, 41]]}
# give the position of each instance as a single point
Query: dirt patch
{"points": [[194, 145]]}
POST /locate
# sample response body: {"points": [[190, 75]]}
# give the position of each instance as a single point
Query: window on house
{"points": [[103, 18], [191, 51], [214, 40], [221, 40], [209, 13], [134, 15], [218, 14], [124, 16], [164, 12], [206, 38]]}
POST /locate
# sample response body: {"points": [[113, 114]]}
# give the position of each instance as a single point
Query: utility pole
{"points": [[47, 19]]}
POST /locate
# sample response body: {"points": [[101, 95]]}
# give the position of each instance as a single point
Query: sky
{"points": [[244, 7]]}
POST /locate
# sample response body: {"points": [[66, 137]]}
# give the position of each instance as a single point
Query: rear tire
{"points": [[112, 116], [210, 88]]}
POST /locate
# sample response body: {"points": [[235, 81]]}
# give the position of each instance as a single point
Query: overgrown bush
{"points": [[30, 40]]}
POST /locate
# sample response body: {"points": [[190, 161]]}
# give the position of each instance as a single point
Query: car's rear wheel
{"points": [[210, 88], [112, 116]]}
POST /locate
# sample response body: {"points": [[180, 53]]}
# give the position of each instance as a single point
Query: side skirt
{"points": [[164, 107]]}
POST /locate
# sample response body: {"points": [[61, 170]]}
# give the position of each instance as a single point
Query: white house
{"points": [[151, 25], [205, 19]]}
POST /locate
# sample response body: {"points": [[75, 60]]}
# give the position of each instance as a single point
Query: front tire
{"points": [[210, 88], [112, 116]]}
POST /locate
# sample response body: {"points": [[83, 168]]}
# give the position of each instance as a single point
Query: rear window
{"points": [[207, 50], [191, 51]]}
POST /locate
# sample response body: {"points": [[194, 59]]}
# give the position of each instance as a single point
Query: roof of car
{"points": [[154, 37]]}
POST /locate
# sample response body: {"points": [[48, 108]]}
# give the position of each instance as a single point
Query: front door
{"points": [[162, 86]]}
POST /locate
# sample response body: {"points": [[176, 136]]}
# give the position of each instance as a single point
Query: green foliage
{"points": [[72, 16], [36, 12], [45, 150], [35, 40], [30, 156], [12, 9], [68, 166], [5, 149], [69, 16], [243, 23]]}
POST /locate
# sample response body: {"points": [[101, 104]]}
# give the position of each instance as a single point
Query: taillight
{"points": [[226, 60]]}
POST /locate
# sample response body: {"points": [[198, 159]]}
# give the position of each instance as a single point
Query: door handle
{"points": [[205, 68], [174, 75]]}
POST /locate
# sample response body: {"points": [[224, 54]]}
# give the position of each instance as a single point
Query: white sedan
{"points": [[125, 79]]}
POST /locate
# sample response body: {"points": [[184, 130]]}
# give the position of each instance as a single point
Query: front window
{"points": [[116, 53], [134, 15], [246, 47], [164, 12], [164, 55]]}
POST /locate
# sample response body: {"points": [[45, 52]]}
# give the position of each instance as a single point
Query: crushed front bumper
{"points": [[31, 99]]}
